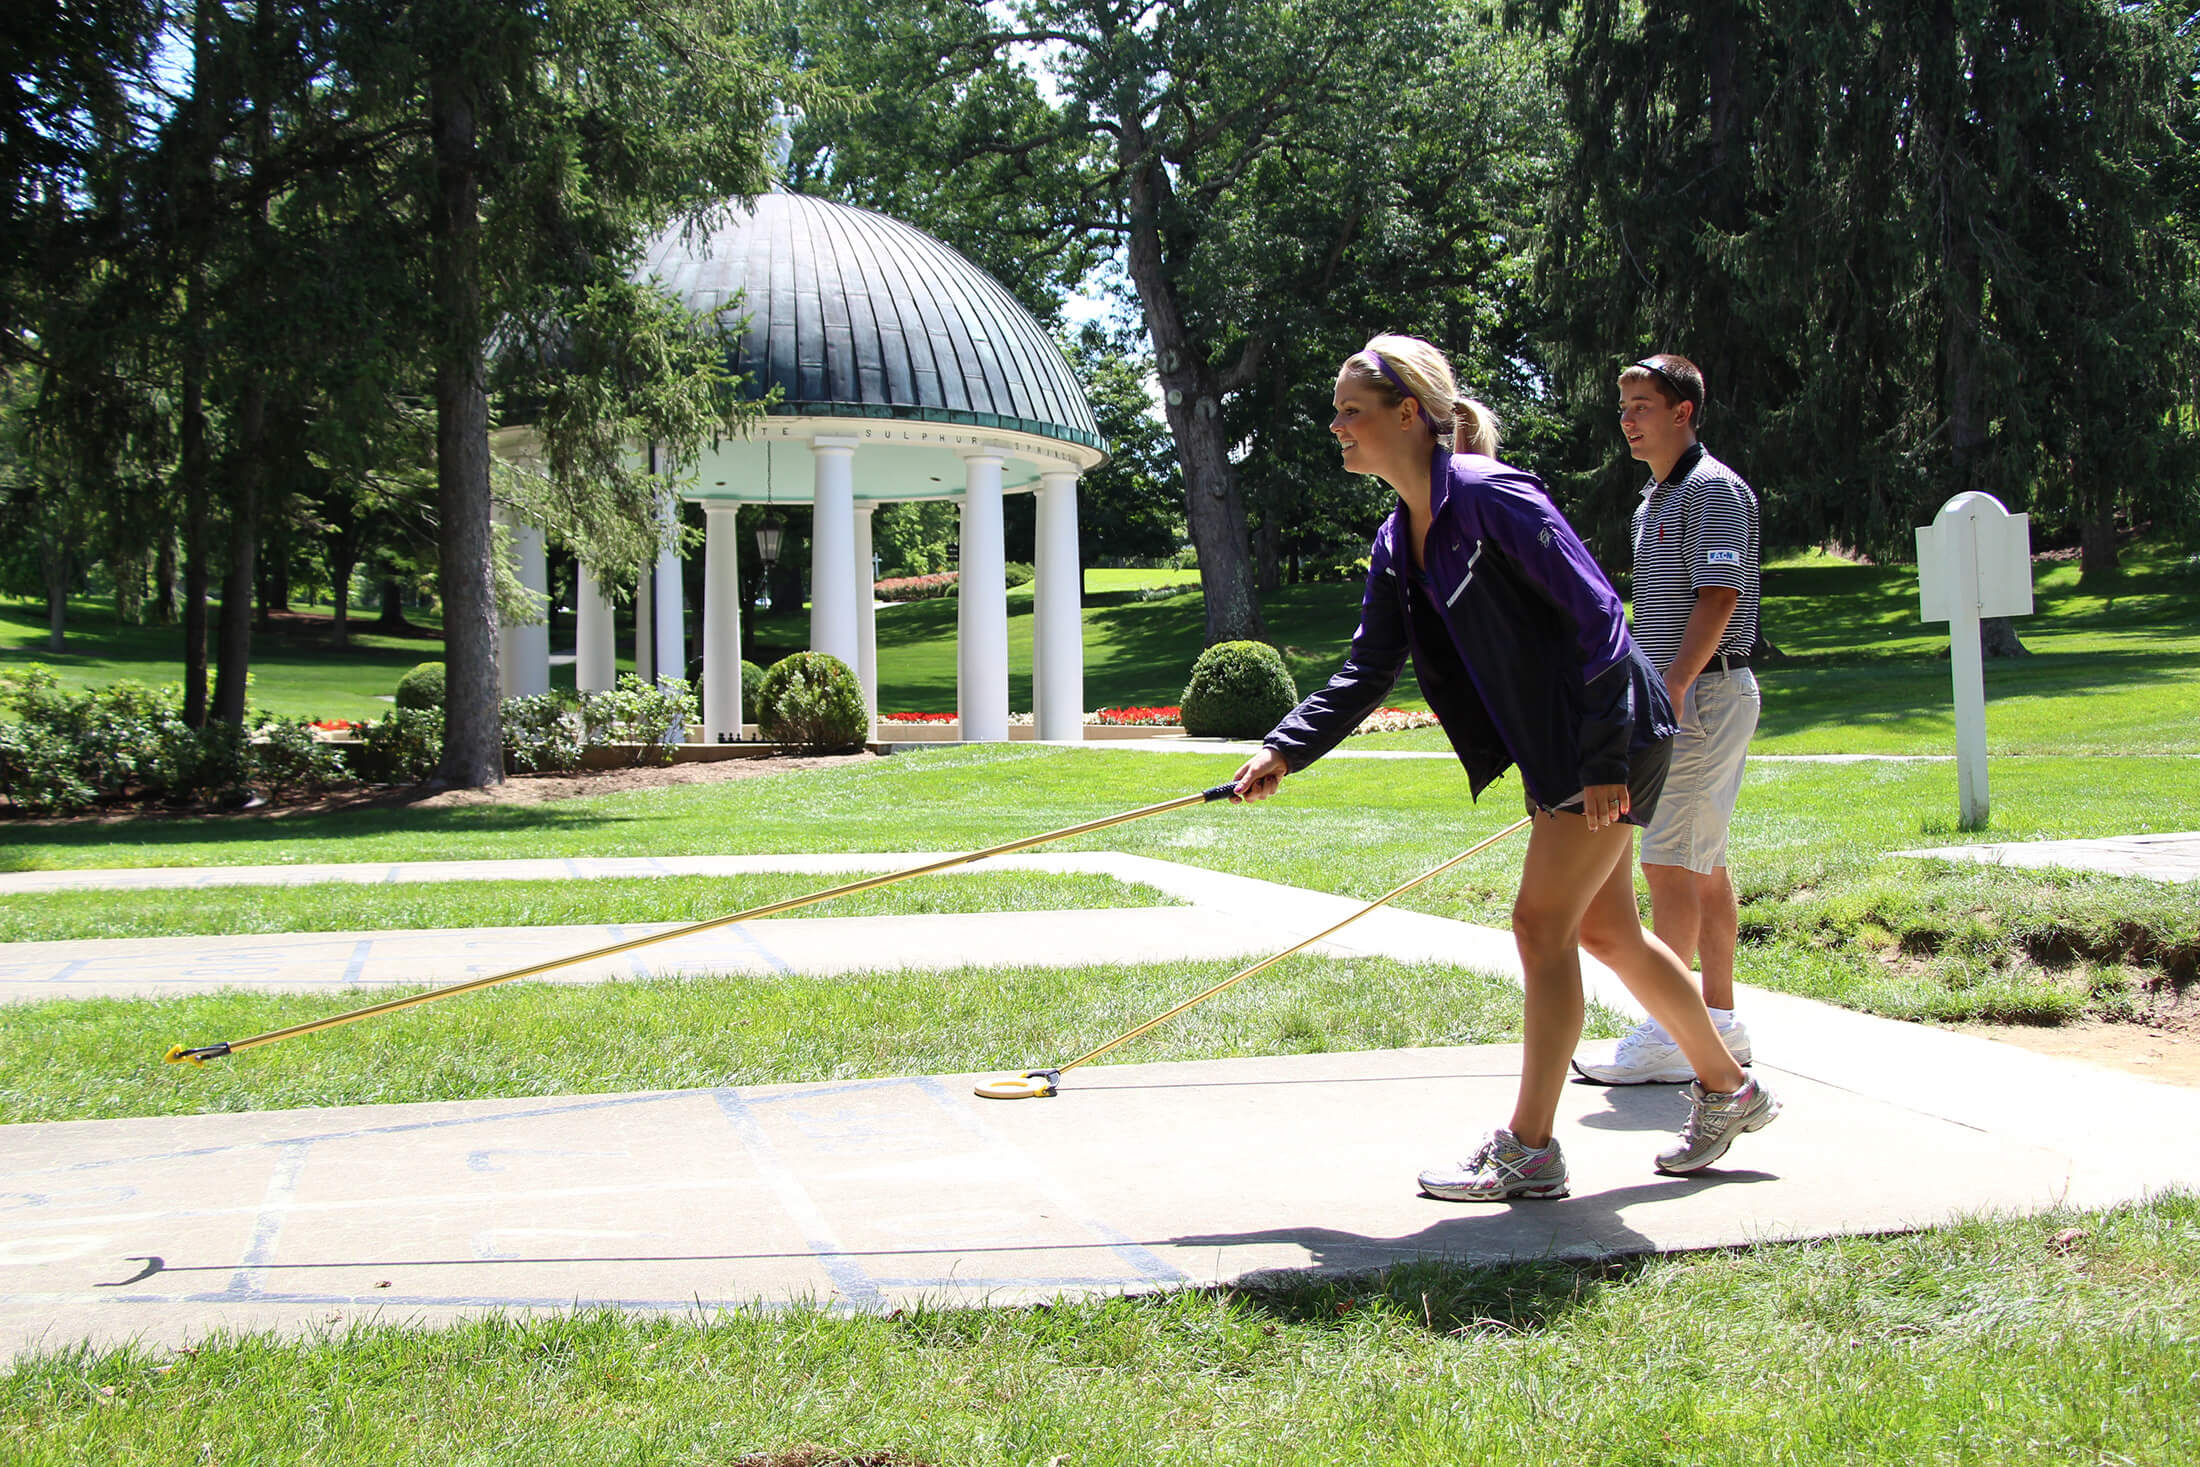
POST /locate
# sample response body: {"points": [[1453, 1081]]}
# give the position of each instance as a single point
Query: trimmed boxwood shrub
{"points": [[812, 702], [1239, 690], [752, 684], [422, 687], [1017, 573]]}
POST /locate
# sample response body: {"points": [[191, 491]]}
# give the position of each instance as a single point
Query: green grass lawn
{"points": [[93, 1059], [1826, 913], [2115, 667], [343, 907], [2057, 1339], [1987, 1341], [2116, 664], [294, 673]]}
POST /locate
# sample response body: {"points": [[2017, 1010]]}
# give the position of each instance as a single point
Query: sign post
{"points": [[1973, 561]]}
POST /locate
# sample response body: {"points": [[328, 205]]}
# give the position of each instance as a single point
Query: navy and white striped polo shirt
{"points": [[1695, 528]]}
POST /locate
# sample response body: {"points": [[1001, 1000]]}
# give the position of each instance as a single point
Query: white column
{"points": [[866, 612], [721, 625], [645, 655], [668, 614], [523, 652], [962, 611], [1057, 632], [595, 649], [833, 551], [982, 594]]}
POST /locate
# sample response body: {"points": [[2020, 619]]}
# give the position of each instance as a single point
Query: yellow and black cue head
{"points": [[1024, 1085]]}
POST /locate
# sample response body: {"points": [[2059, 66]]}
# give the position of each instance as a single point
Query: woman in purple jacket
{"points": [[1521, 646]]}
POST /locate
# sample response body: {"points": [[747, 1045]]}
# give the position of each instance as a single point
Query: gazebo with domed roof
{"points": [[904, 373]]}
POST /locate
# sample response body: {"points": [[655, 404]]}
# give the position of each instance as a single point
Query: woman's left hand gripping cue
{"points": [[1258, 777]]}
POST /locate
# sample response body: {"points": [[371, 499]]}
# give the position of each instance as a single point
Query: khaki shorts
{"points": [[1716, 718]]}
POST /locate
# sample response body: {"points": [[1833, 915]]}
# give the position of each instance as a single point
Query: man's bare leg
{"points": [[1717, 933]]}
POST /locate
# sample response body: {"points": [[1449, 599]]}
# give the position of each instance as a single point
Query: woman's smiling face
{"points": [[1373, 435]]}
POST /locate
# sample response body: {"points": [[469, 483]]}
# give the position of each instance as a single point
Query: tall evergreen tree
{"points": [[1900, 237], [551, 140]]}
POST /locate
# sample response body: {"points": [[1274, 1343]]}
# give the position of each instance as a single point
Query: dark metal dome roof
{"points": [[853, 314]]}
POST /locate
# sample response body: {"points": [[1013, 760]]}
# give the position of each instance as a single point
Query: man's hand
{"points": [[1259, 777]]}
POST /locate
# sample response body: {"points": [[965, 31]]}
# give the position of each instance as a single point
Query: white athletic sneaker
{"points": [[1647, 1057], [1498, 1169], [1713, 1123]]}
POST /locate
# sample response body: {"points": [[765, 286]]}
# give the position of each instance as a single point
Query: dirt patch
{"points": [[517, 789], [2164, 1045]]}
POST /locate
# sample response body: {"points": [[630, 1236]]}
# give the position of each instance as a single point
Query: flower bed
{"points": [[1396, 720], [915, 588], [1168, 717]]}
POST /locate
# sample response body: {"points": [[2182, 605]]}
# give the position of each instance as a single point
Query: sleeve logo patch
{"points": [[1723, 557]]}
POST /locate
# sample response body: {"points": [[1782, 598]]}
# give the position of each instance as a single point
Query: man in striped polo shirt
{"points": [[1695, 615]]}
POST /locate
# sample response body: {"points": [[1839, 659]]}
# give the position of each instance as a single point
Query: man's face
{"points": [[1656, 429]]}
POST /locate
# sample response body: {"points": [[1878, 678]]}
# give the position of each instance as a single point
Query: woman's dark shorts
{"points": [[1646, 769]]}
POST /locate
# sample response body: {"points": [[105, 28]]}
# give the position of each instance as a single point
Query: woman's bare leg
{"points": [[1612, 929], [1567, 866]]}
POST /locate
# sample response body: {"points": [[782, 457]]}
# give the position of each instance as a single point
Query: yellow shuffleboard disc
{"points": [[1030, 1085]]}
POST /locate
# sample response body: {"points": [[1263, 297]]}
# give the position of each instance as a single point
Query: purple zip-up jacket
{"points": [[1554, 682]]}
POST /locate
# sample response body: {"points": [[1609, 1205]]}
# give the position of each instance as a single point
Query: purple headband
{"points": [[1403, 390]]}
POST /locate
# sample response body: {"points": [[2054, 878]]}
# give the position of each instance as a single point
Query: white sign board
{"points": [[2003, 543], [1973, 561]]}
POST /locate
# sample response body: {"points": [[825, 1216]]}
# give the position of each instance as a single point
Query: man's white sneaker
{"points": [[1647, 1057]]}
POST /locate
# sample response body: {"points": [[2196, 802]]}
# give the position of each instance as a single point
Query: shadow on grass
{"points": [[335, 825], [1851, 689]]}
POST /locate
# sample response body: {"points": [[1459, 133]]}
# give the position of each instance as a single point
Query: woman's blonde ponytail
{"points": [[1473, 428]]}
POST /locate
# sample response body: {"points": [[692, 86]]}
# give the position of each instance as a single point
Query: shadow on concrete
{"points": [[1512, 1267]]}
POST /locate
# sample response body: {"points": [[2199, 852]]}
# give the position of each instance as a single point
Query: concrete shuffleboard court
{"points": [[881, 1193]]}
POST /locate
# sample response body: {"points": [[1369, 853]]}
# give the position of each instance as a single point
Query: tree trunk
{"points": [[129, 568], [1192, 401], [341, 559], [53, 565], [248, 455], [391, 616], [275, 569], [473, 744], [164, 579], [192, 468], [2097, 544], [1268, 553], [1963, 375], [234, 672], [1997, 637], [194, 464]]}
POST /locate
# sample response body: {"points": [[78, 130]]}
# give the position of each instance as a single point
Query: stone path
{"points": [[881, 1193], [2173, 856]]}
